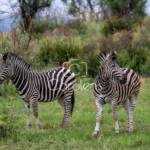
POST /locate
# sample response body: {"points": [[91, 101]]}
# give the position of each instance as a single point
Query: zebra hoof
{"points": [[61, 125], [94, 135], [29, 125], [126, 131], [65, 125], [116, 134], [38, 126]]}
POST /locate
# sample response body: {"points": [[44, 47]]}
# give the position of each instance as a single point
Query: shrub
{"points": [[46, 52], [7, 118], [80, 27], [86, 64], [60, 51], [115, 24], [16, 43], [132, 54], [133, 59], [92, 63]]}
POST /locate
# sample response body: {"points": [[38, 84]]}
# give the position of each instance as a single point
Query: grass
{"points": [[82, 123]]}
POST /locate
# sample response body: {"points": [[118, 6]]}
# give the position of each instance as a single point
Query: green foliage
{"points": [[46, 51], [16, 43], [145, 69], [123, 8], [72, 9], [130, 53], [60, 51], [29, 9], [133, 59], [92, 63], [115, 24], [39, 25], [86, 64], [80, 27], [7, 119]]}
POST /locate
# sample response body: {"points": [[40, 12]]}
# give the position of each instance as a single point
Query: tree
{"points": [[125, 7], [79, 8], [27, 9]]}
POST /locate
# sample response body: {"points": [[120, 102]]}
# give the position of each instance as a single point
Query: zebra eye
{"points": [[6, 66], [113, 65]]}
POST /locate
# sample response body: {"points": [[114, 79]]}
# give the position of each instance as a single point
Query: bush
{"points": [[132, 54], [133, 59], [16, 43], [80, 27], [92, 63], [60, 51], [86, 64], [115, 24], [7, 118], [46, 52]]}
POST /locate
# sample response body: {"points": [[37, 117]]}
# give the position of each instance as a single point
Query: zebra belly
{"points": [[105, 99], [51, 96]]}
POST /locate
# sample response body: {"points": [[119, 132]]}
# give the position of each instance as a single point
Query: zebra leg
{"points": [[115, 117], [125, 105], [67, 106], [132, 100], [27, 112], [34, 103], [98, 117], [61, 102]]}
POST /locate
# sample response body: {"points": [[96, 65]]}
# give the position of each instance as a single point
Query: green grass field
{"points": [[82, 123]]}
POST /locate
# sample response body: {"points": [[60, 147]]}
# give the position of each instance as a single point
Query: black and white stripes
{"points": [[115, 85], [37, 87]]}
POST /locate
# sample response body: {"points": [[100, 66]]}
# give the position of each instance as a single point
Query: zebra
{"points": [[115, 85], [34, 87]]}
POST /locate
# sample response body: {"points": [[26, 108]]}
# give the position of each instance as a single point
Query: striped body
{"points": [[48, 86], [113, 89], [37, 87], [108, 89]]}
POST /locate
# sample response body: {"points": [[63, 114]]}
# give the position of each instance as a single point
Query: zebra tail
{"points": [[72, 102]]}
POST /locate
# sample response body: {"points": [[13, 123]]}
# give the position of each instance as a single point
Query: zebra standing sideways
{"points": [[37, 87], [115, 85]]}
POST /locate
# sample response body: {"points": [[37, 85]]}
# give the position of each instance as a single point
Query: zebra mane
{"points": [[103, 55], [20, 62]]}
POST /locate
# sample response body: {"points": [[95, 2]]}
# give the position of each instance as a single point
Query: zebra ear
{"points": [[7, 56], [113, 55], [1, 55]]}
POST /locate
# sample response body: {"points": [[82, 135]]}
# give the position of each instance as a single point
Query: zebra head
{"points": [[6, 67], [109, 68]]}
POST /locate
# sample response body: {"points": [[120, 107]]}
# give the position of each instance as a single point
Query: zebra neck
{"points": [[103, 83], [19, 77]]}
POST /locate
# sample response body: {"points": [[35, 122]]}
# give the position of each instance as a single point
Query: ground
{"points": [[78, 136]]}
